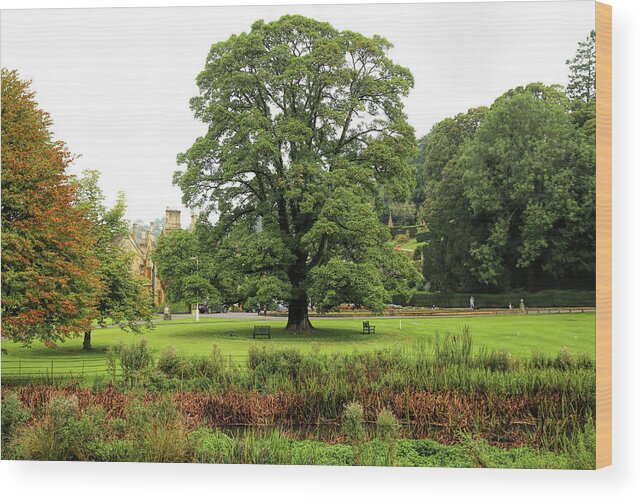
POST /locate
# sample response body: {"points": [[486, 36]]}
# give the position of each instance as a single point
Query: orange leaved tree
{"points": [[50, 275]]}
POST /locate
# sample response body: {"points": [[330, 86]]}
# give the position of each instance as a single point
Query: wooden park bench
{"points": [[367, 328], [261, 330]]}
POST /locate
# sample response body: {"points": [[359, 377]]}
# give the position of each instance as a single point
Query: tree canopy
{"points": [[306, 129], [183, 269], [49, 269], [515, 205], [122, 298]]}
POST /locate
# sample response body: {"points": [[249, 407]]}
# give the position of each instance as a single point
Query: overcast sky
{"points": [[117, 81]]}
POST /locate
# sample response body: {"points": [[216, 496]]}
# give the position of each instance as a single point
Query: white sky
{"points": [[117, 81]]}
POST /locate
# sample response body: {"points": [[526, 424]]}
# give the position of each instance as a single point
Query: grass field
{"points": [[519, 335], [438, 403], [410, 246]]}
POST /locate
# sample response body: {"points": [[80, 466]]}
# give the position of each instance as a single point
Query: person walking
{"points": [[472, 303]]}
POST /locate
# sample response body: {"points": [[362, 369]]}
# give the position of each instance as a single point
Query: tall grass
{"points": [[437, 388], [156, 431]]}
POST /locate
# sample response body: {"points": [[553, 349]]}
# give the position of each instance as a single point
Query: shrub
{"points": [[63, 435], [387, 426], [133, 359], [422, 236], [14, 415], [62, 409], [565, 359], [169, 362], [353, 422], [118, 426], [584, 361], [402, 238], [115, 450], [210, 446]]}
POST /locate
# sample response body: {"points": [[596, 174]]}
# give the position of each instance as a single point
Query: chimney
{"points": [[134, 231], [172, 219]]}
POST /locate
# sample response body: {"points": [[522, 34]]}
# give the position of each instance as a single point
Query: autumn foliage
{"points": [[49, 270]]}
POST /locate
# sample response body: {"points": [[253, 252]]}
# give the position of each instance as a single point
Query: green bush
{"points": [[353, 422], [14, 415], [402, 238], [169, 362], [210, 446], [134, 359], [565, 359], [387, 426], [207, 372], [64, 434], [422, 236]]}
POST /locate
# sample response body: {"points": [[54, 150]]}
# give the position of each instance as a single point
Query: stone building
{"points": [[141, 249]]}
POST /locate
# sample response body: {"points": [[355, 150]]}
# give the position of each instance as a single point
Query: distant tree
{"points": [[50, 279], [123, 298], [403, 213], [582, 71], [183, 270], [305, 127], [156, 227]]}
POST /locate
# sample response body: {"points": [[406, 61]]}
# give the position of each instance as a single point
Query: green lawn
{"points": [[519, 335], [411, 245]]}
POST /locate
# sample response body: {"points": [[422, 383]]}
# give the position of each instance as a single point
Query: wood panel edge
{"points": [[603, 235]]}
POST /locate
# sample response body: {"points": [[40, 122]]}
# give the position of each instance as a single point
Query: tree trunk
{"points": [[298, 307], [298, 314], [87, 341]]}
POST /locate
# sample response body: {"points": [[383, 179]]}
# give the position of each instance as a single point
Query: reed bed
{"points": [[71, 426]]}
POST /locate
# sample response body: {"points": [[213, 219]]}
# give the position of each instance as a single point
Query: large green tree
{"points": [[516, 206], [305, 128], [123, 298], [49, 270]]}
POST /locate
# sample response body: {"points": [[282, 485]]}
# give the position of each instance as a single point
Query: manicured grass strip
{"points": [[518, 335]]}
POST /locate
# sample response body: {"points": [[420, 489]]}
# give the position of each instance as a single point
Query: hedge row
{"points": [[422, 236], [411, 230], [540, 299]]}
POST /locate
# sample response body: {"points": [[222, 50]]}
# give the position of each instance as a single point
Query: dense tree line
{"points": [[508, 192]]}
